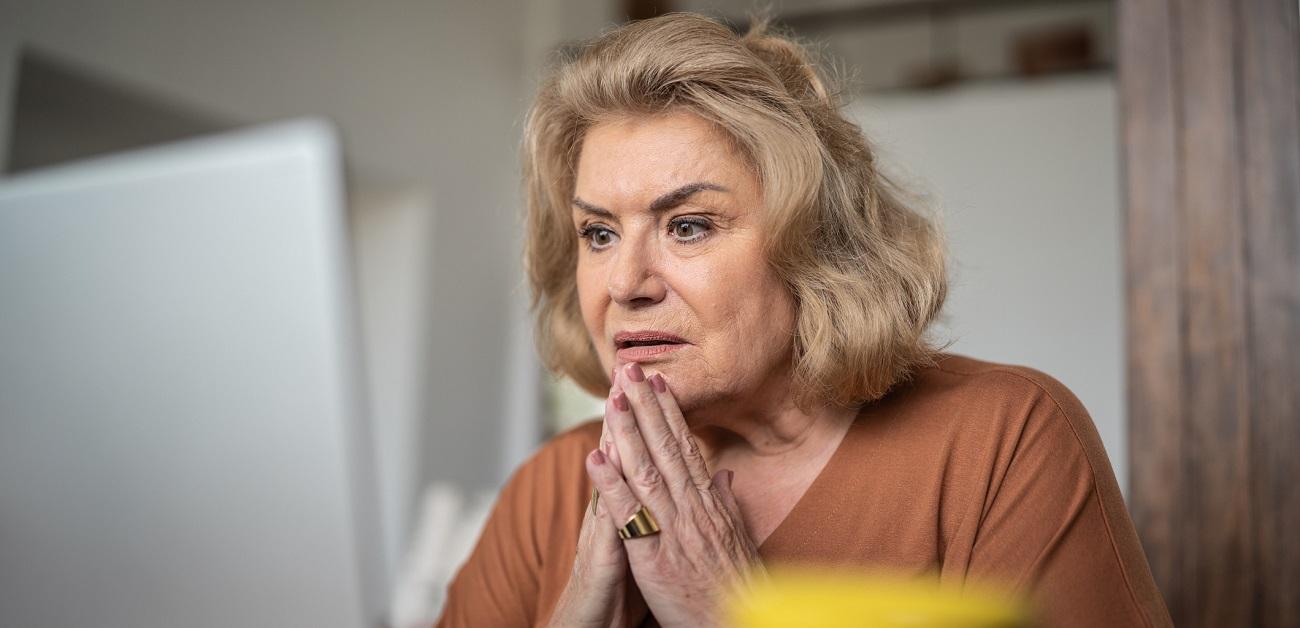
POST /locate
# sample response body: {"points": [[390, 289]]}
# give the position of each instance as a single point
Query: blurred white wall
{"points": [[882, 52], [1027, 177], [392, 233]]}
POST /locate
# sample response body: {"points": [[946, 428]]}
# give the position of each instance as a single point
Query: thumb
{"points": [[722, 484]]}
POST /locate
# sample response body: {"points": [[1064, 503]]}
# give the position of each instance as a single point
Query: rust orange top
{"points": [[971, 470]]}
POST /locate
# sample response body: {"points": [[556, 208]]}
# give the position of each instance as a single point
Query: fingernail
{"points": [[657, 383], [598, 457], [620, 402], [635, 373]]}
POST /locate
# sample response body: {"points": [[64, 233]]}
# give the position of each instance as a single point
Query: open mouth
{"points": [[623, 340], [644, 344]]}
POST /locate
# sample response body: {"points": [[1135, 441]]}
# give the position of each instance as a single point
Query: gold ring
{"points": [[595, 496], [640, 524]]}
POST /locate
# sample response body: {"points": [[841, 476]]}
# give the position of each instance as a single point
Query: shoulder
{"points": [[962, 385], [1023, 390], [555, 475], [543, 500], [1020, 412], [1009, 409], [1040, 505], [526, 547], [963, 376], [564, 449]]}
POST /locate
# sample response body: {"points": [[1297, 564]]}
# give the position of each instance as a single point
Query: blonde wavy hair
{"points": [[865, 265]]}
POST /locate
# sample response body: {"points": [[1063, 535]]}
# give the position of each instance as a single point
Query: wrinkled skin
{"points": [[670, 240]]}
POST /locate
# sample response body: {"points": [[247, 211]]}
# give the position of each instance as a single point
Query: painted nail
{"points": [[598, 457], [635, 373], [620, 402], [657, 383]]}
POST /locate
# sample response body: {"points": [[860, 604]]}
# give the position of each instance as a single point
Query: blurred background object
{"points": [[1212, 254], [1004, 112], [62, 112], [182, 422], [839, 598]]}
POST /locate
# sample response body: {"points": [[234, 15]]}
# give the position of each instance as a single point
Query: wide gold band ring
{"points": [[640, 524]]}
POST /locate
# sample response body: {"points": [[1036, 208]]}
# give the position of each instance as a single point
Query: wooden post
{"points": [[1212, 158]]}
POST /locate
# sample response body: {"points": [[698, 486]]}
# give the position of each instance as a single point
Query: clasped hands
{"points": [[648, 457]]}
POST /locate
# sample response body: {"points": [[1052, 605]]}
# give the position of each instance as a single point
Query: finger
{"points": [[603, 541], [603, 449], [604, 433], [722, 486], [690, 449], [616, 498], [661, 443], [607, 444], [643, 476], [596, 460], [604, 424]]}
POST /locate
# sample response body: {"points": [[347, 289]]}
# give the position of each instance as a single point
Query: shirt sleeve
{"points": [[499, 583], [1054, 526]]}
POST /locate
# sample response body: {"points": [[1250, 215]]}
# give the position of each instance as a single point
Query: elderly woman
{"points": [[713, 248]]}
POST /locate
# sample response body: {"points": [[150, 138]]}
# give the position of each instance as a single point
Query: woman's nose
{"points": [[634, 279]]}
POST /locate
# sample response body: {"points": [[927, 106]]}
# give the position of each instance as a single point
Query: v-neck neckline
{"points": [[791, 520]]}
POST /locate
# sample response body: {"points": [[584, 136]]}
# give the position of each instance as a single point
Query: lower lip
{"points": [[646, 352]]}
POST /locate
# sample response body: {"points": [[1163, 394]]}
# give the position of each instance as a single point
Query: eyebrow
{"points": [[663, 203]]}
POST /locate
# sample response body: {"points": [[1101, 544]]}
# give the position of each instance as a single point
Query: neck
{"points": [[768, 426]]}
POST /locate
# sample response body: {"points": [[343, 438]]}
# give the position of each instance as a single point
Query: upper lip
{"points": [[627, 338]]}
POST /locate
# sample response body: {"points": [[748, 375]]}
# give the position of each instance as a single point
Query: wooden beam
{"points": [[1154, 321], [1269, 124], [1209, 98]]}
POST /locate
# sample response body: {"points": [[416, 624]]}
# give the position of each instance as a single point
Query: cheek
{"points": [[589, 300], [764, 317], [748, 289], [745, 306], [593, 303]]}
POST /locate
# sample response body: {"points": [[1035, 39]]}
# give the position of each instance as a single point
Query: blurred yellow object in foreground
{"points": [[837, 599]]}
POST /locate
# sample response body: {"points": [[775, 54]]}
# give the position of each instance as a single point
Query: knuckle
{"points": [[708, 497], [648, 477], [668, 443], [730, 546], [686, 484], [691, 449], [627, 427], [702, 521], [647, 395]]}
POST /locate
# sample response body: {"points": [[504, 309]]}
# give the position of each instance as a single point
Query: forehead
{"points": [[628, 158]]}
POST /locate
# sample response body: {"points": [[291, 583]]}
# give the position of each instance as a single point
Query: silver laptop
{"points": [[181, 434]]}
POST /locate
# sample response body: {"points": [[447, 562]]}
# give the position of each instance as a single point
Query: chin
{"points": [[692, 401], [688, 385]]}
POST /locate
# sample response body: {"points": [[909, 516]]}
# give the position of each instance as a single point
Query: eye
{"points": [[597, 236], [689, 229]]}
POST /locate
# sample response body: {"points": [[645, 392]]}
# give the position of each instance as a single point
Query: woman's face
{"points": [[671, 271]]}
